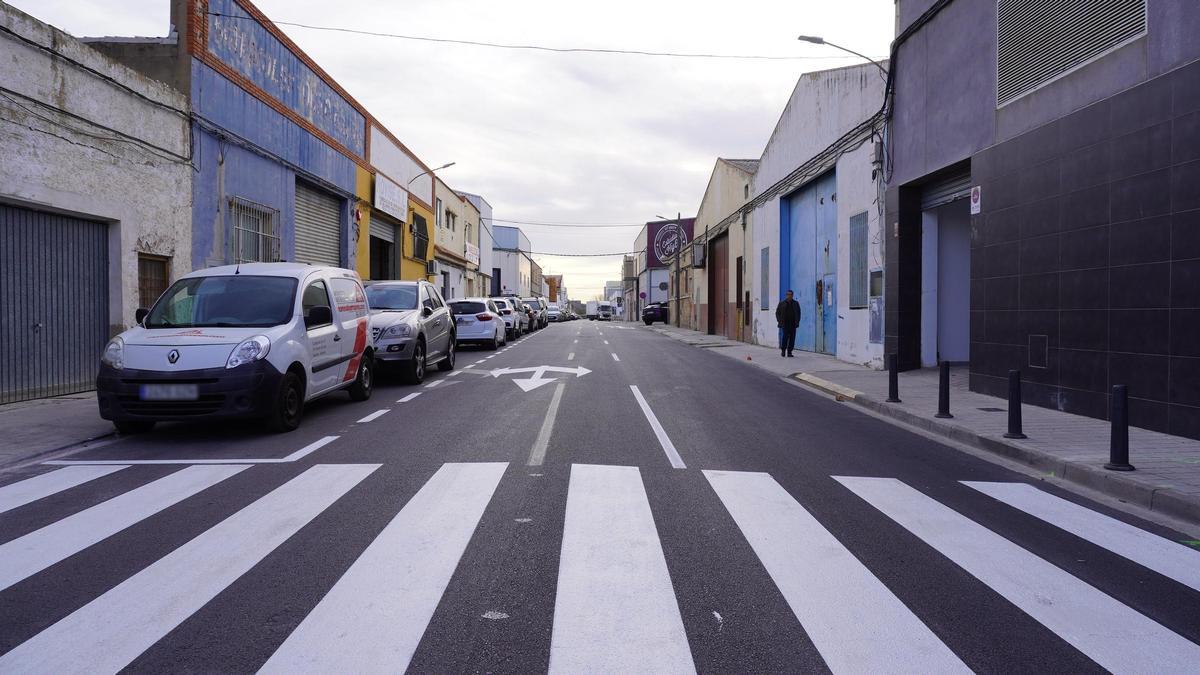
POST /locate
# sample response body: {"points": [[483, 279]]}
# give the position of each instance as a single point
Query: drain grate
{"points": [[991, 409]]}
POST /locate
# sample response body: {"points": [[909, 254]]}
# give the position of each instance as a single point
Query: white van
{"points": [[250, 340]]}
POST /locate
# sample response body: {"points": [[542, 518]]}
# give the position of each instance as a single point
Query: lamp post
{"points": [[822, 41], [444, 166]]}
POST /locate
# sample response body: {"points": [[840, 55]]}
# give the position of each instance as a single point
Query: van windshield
{"points": [[226, 302]]}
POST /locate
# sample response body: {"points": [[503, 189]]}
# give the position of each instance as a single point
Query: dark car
{"points": [[656, 311]]}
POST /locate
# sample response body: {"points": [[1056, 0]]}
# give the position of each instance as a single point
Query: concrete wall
{"points": [[486, 240], [823, 107], [51, 158], [726, 191]]}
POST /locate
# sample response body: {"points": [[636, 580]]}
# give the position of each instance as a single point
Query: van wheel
{"points": [[448, 362], [128, 427], [414, 370], [289, 404], [361, 389]]}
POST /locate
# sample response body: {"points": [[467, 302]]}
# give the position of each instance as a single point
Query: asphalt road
{"points": [[677, 512]]}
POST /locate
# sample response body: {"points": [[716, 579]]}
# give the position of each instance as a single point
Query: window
{"points": [[255, 231], [858, 261], [226, 301], [420, 229], [315, 296], [1040, 41], [347, 293], [446, 285], [462, 307], [764, 268], [745, 195], [152, 278], [451, 219], [437, 212]]}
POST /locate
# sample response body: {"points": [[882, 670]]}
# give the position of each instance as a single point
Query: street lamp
{"points": [[822, 41], [446, 165]]}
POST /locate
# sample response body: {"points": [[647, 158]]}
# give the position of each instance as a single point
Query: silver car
{"points": [[515, 321], [478, 320], [412, 327]]}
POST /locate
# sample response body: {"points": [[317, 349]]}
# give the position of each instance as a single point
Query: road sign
{"points": [[534, 381]]}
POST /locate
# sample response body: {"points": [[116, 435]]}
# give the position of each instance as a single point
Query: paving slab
{"points": [[30, 429]]}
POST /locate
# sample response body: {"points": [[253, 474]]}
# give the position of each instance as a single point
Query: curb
{"points": [[51, 451], [1167, 501]]}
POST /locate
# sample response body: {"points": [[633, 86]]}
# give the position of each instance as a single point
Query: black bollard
{"points": [[944, 390], [1014, 405], [1118, 446], [893, 379]]}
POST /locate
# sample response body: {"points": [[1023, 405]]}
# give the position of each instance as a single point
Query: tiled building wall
{"points": [[1090, 237]]}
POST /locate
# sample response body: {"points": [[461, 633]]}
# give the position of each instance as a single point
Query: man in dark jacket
{"points": [[788, 316]]}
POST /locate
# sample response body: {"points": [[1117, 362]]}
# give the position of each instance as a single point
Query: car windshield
{"points": [[388, 297], [463, 307], [225, 301]]}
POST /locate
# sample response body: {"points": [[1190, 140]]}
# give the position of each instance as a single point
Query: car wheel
{"points": [[361, 389], [414, 370], [128, 427], [289, 404], [448, 362]]}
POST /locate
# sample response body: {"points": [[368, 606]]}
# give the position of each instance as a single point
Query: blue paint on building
{"points": [[808, 243]]}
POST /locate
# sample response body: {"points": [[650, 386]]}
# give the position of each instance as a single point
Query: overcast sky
{"points": [[579, 138]]}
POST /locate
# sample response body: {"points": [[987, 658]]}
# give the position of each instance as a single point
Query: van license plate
{"points": [[169, 392]]}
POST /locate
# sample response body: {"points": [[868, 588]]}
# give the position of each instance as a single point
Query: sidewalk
{"points": [[1071, 447], [32, 428]]}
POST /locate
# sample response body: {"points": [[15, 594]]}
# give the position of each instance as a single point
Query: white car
{"points": [[478, 320], [251, 340], [553, 313]]}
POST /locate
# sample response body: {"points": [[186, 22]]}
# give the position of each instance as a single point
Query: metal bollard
{"points": [[944, 390], [1118, 446], [1014, 405], [893, 379]]}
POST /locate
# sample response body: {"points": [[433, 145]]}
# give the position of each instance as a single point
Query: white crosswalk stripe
{"points": [[1110, 633], [111, 631], [616, 605], [615, 611], [38, 550], [373, 618], [51, 482], [845, 610], [1166, 557]]}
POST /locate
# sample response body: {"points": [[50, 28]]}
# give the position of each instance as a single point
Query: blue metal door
{"points": [[801, 279], [827, 257], [829, 315], [808, 236]]}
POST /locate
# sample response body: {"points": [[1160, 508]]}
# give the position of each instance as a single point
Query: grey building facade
{"points": [[1043, 200]]}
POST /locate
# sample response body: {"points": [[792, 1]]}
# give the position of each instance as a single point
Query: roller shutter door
{"points": [[945, 191], [381, 229], [53, 303], [318, 227]]}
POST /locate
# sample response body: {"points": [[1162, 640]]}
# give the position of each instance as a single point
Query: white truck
{"points": [[604, 311], [593, 310]]}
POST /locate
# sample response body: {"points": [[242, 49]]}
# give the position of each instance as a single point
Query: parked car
{"points": [[412, 327], [478, 321], [516, 320], [656, 311], [254, 340], [532, 313], [553, 313], [539, 307]]}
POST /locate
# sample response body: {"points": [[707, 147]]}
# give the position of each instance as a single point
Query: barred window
{"points": [[255, 231], [153, 275], [420, 237], [858, 260]]}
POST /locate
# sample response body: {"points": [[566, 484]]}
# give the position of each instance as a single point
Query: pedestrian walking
{"points": [[788, 316]]}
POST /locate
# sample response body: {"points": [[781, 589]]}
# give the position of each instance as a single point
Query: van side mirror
{"points": [[427, 311], [318, 316], [140, 315]]}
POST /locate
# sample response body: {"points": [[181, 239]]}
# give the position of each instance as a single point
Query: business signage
{"points": [[472, 253], [391, 198], [665, 239]]}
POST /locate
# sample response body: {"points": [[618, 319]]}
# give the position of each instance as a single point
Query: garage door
{"points": [[53, 303], [318, 227]]}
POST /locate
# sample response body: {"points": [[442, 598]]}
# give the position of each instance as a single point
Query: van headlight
{"points": [[399, 330], [251, 349], [114, 354]]}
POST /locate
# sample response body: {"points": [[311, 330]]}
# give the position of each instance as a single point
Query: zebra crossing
{"points": [[616, 601]]}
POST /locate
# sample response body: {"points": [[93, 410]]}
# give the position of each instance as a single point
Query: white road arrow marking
{"points": [[536, 379]]}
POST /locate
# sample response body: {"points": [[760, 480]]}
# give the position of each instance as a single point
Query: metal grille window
{"points": [[420, 237], [255, 231], [858, 260], [1038, 41], [764, 269], [152, 278]]}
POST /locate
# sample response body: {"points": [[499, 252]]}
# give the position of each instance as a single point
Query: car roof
{"points": [[272, 269], [391, 282]]}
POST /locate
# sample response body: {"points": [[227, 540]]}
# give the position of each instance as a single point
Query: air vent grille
{"points": [[1040, 40]]}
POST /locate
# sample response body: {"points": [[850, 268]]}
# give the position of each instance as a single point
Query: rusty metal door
{"points": [[53, 303], [718, 287]]}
